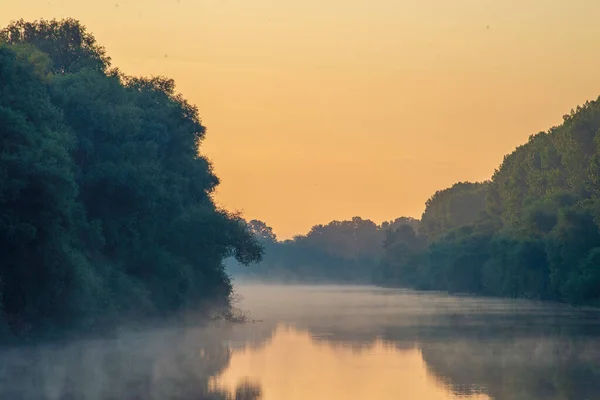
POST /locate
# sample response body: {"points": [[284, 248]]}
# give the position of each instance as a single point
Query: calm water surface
{"points": [[359, 343], [332, 343]]}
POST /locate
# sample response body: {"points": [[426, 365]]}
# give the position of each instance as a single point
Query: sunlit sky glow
{"points": [[326, 109]]}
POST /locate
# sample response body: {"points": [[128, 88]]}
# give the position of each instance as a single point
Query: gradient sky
{"points": [[326, 109]]}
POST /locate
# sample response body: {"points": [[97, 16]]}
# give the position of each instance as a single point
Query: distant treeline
{"points": [[105, 203], [532, 231], [341, 251]]}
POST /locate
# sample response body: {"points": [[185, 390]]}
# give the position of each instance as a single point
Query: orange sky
{"points": [[326, 109]]}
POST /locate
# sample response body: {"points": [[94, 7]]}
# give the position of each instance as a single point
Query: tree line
{"points": [[340, 251], [106, 209], [531, 231]]}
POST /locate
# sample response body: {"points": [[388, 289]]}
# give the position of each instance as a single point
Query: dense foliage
{"points": [[341, 251], [105, 203], [453, 207], [537, 233]]}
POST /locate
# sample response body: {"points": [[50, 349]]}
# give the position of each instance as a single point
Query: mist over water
{"points": [[331, 342], [152, 364], [360, 342]]}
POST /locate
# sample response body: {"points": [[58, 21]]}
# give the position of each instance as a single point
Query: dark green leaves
{"points": [[105, 205], [539, 234], [70, 47]]}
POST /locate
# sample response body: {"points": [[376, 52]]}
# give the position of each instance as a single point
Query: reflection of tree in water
{"points": [[549, 368], [157, 365], [523, 354], [507, 357]]}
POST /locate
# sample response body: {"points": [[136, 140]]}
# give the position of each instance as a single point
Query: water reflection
{"points": [[365, 343], [294, 365], [331, 343], [546, 368], [154, 364]]}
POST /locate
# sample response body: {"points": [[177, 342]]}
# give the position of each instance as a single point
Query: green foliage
{"points": [[70, 47], [262, 231], [569, 245], [532, 231], [341, 251], [105, 202], [453, 207], [37, 199], [517, 267], [454, 262], [583, 284], [401, 256]]}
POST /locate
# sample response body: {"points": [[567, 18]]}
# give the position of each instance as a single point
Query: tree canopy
{"points": [[347, 251], [105, 201], [532, 231]]}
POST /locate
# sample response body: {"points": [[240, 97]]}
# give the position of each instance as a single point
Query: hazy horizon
{"points": [[325, 110]]}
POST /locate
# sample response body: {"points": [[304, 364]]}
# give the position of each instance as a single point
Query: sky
{"points": [[327, 109]]}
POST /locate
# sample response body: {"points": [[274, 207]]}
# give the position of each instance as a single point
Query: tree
{"points": [[450, 208], [42, 270], [262, 231], [106, 209], [67, 42], [400, 261], [532, 231]]}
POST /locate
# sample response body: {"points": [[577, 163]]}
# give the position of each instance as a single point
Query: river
{"points": [[333, 343]]}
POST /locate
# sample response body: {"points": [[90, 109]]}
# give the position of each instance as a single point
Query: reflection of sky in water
{"points": [[328, 342], [325, 342], [292, 365]]}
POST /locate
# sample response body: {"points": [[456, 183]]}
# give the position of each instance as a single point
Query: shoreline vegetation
{"points": [[532, 231], [106, 209]]}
